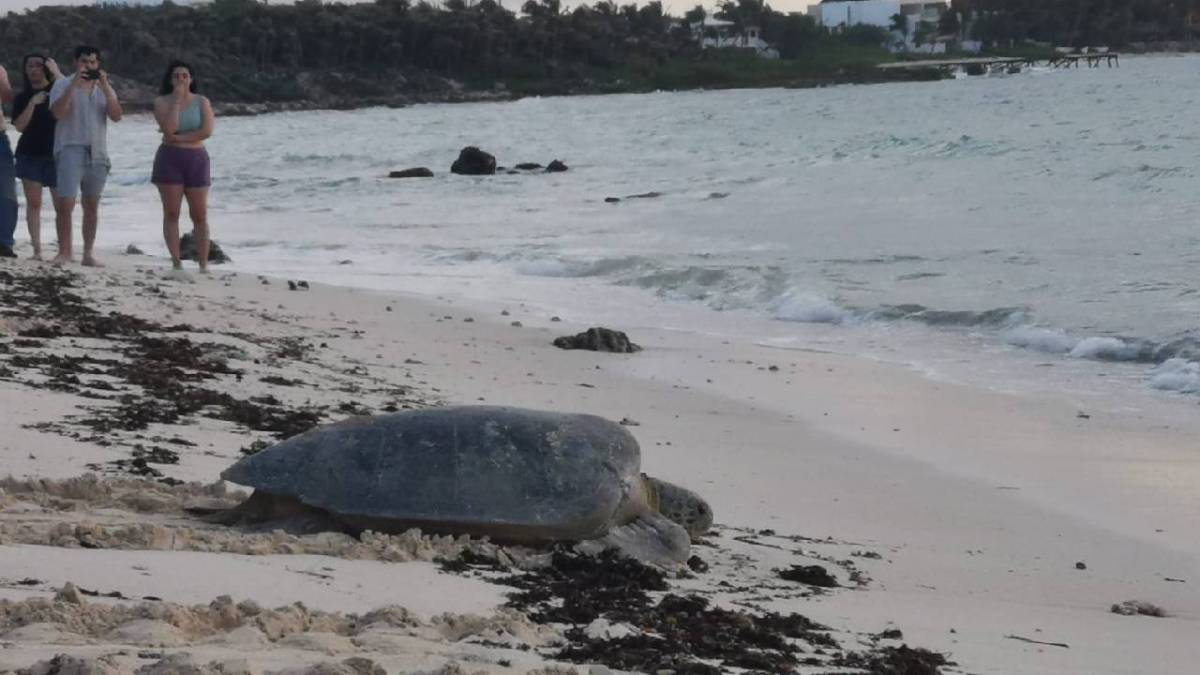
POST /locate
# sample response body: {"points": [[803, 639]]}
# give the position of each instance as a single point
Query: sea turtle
{"points": [[511, 474]]}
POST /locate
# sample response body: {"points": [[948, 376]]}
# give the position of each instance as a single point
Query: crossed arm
{"points": [[166, 111]]}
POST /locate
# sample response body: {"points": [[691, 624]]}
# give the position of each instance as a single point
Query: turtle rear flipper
{"points": [[649, 538], [266, 512]]}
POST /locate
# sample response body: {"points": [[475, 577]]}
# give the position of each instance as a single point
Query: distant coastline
{"points": [[256, 57], [435, 89], [252, 57]]}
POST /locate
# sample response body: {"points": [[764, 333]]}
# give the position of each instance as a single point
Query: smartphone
{"points": [[91, 74]]}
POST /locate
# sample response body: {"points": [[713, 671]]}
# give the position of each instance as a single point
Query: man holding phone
{"points": [[82, 103]]}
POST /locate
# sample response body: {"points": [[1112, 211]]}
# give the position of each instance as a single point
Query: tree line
{"points": [[1079, 23], [248, 50]]}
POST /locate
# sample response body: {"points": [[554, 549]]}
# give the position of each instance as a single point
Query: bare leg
{"points": [[62, 222], [91, 218], [197, 199], [33, 214], [172, 199]]}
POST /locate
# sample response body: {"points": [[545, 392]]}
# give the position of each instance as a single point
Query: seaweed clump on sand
{"points": [[902, 660], [681, 633], [650, 629], [144, 372]]}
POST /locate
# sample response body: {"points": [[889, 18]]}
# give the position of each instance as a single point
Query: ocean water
{"points": [[1035, 231]]}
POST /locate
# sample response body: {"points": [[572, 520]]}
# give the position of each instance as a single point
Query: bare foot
{"points": [[90, 261], [205, 272], [180, 275], [62, 259], [37, 253]]}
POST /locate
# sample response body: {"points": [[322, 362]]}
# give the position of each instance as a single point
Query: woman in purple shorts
{"points": [[181, 166], [35, 150]]}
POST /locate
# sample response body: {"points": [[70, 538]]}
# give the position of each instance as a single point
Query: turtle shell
{"points": [[471, 468]]}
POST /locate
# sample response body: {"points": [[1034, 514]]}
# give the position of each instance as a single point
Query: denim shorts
{"points": [[77, 167], [37, 168], [174, 165]]}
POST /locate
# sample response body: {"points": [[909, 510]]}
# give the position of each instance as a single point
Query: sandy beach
{"points": [[998, 531]]}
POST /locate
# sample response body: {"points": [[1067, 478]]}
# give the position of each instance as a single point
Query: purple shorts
{"points": [[181, 166]]}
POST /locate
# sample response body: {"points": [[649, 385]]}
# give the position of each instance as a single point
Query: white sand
{"points": [[979, 503]]}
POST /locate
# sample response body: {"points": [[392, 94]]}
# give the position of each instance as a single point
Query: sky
{"points": [[21, 5]]}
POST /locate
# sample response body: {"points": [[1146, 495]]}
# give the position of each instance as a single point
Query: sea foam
{"points": [[1049, 340], [1177, 375], [1106, 349], [809, 308]]}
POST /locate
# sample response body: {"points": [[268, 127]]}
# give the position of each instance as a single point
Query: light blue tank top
{"points": [[190, 118]]}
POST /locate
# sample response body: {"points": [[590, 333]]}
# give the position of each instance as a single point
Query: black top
{"points": [[38, 138]]}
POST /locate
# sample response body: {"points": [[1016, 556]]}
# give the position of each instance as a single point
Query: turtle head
{"points": [[681, 506]]}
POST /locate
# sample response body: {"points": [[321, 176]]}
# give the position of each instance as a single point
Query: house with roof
{"points": [[714, 33], [920, 17]]}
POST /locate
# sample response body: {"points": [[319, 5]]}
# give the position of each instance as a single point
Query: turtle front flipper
{"points": [[650, 538]]}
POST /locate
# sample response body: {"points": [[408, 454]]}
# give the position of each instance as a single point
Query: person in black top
{"points": [[35, 150]]}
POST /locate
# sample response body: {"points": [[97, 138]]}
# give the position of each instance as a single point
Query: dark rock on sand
{"points": [[556, 167], [187, 250], [418, 172], [611, 200], [474, 162], [528, 166], [598, 340], [1137, 608], [812, 575], [133, 250]]}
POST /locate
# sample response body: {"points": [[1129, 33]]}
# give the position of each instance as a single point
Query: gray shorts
{"points": [[77, 167]]}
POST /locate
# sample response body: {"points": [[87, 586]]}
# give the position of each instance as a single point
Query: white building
{"points": [[139, 3], [877, 12], [881, 13], [717, 33]]}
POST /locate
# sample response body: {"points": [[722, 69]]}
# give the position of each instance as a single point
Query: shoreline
{"points": [[977, 504], [867, 74]]}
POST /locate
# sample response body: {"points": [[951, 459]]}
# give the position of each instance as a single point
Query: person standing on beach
{"points": [[8, 179], [82, 103], [35, 150], [181, 166]]}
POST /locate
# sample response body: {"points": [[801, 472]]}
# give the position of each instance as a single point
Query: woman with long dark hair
{"points": [[181, 166], [35, 150]]}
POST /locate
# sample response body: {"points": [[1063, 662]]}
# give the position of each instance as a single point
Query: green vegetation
{"points": [[1078, 23], [392, 51]]}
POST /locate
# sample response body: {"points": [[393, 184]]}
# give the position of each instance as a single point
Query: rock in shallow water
{"points": [[418, 172], [474, 162], [187, 250]]}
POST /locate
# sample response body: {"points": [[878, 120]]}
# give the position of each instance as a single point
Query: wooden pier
{"points": [[1093, 59], [983, 64]]}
